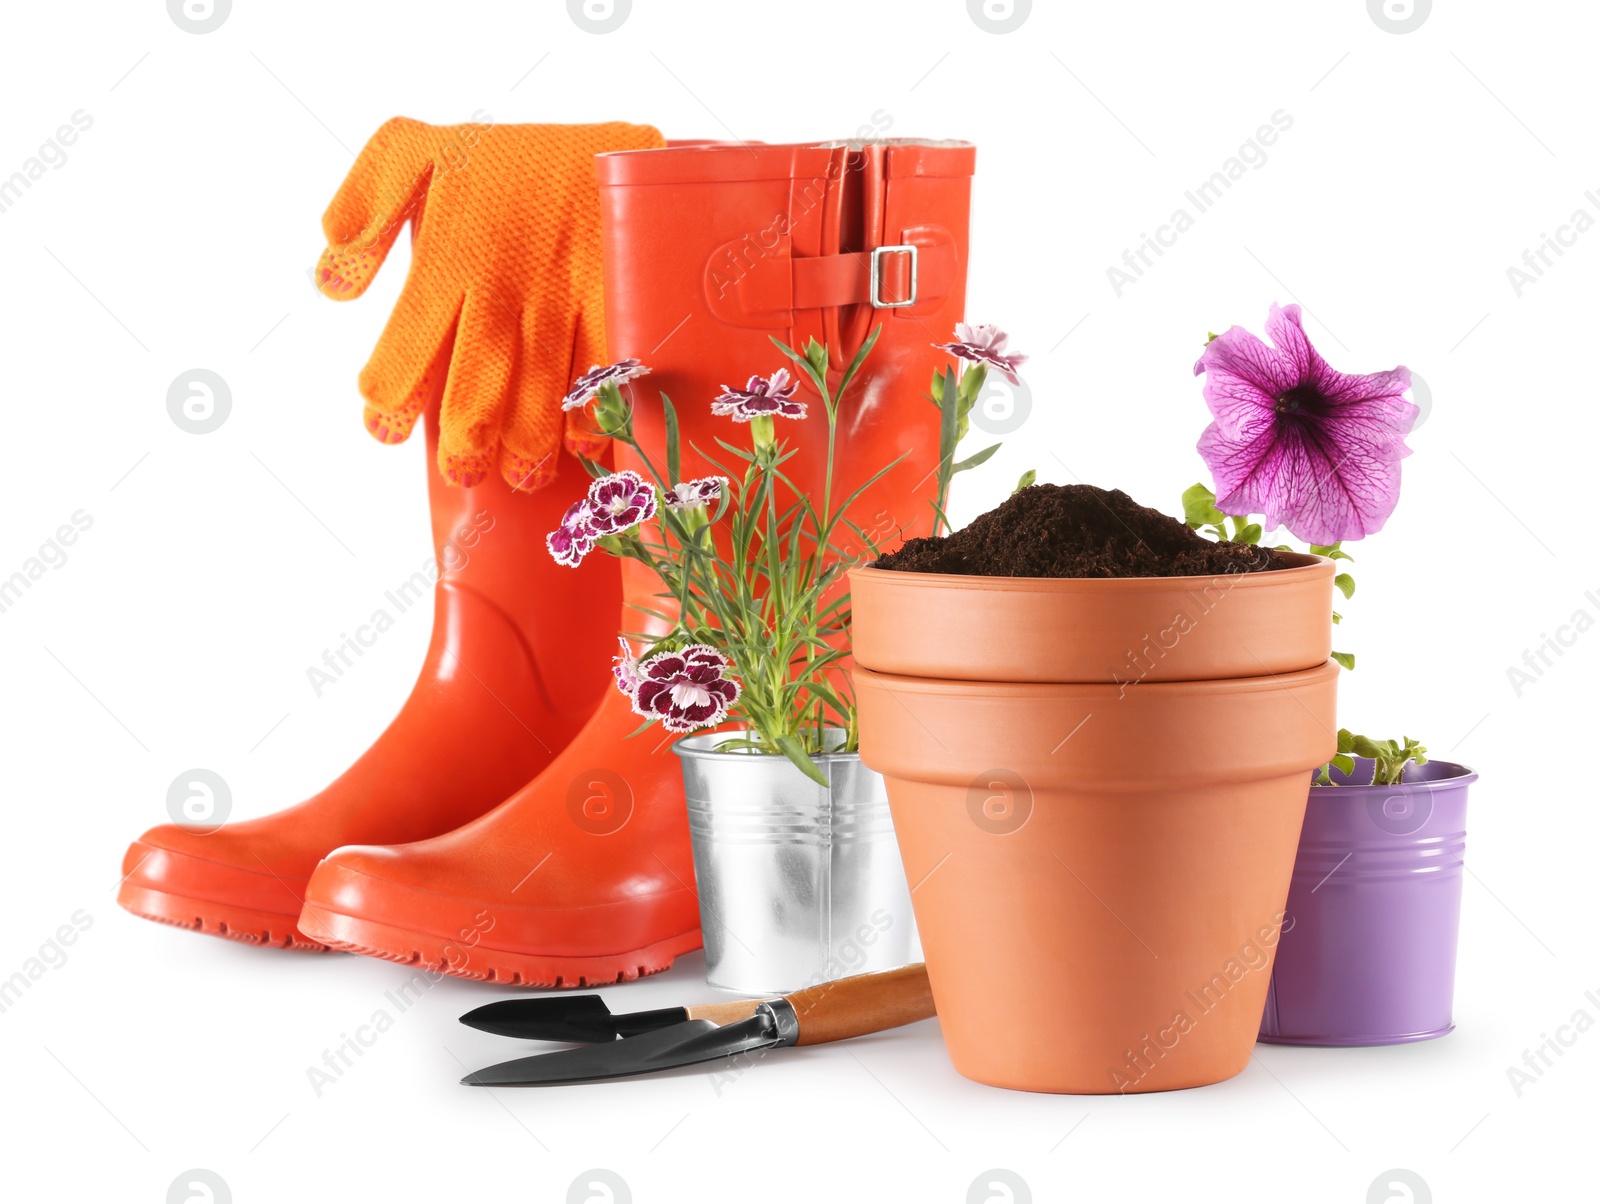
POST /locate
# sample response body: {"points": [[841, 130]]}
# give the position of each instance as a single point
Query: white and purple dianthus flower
{"points": [[685, 689]]}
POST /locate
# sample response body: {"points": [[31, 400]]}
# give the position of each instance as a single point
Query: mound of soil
{"points": [[1077, 531]]}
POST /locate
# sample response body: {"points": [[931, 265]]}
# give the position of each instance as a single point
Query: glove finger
{"points": [[588, 351], [385, 189], [477, 389], [530, 441], [394, 426], [403, 371]]}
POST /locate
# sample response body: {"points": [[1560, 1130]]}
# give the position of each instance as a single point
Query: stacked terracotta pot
{"points": [[1097, 786]]}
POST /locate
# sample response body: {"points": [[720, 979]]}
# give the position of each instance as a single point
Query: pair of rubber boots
{"points": [[505, 827]]}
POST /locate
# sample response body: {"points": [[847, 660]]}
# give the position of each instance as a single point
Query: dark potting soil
{"points": [[1077, 531]]}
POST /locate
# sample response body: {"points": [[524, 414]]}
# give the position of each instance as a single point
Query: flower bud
{"points": [[763, 437], [611, 413]]}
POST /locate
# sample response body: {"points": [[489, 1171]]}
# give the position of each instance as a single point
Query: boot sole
{"points": [[351, 934], [264, 929]]}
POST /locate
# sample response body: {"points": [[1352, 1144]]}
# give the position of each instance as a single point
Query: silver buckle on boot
{"points": [[875, 285]]}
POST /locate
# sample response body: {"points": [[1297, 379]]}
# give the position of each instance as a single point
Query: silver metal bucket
{"points": [[798, 883]]}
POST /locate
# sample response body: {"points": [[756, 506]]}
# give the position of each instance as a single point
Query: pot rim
{"points": [[959, 687], [1465, 776], [1304, 565], [696, 746]]}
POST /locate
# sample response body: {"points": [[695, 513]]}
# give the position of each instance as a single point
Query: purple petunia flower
{"points": [[625, 668], [761, 397], [620, 502], [985, 345], [688, 494], [687, 689], [1311, 449], [574, 538], [587, 385]]}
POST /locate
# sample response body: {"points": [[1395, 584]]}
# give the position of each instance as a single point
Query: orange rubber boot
{"points": [[585, 876], [517, 661]]}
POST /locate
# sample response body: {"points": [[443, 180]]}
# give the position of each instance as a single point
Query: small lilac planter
{"points": [[1368, 950]]}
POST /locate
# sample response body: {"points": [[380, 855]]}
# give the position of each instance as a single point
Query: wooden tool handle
{"points": [[867, 1003], [724, 1013]]}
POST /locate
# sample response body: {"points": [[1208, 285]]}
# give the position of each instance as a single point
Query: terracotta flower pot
{"points": [[1123, 629], [1099, 867]]}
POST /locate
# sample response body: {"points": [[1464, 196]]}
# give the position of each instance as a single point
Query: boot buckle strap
{"points": [[875, 282], [748, 284]]}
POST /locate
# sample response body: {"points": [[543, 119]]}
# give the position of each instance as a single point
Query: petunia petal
{"points": [[1244, 378], [1288, 335], [1320, 489], [1235, 460], [1376, 401]]}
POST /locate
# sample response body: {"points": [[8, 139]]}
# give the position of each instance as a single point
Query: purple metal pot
{"points": [[1367, 955]]}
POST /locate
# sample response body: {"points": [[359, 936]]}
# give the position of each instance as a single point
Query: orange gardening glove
{"points": [[504, 294]]}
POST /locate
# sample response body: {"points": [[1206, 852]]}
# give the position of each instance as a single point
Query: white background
{"points": [[178, 234]]}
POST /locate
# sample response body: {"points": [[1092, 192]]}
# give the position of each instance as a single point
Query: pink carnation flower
{"points": [[615, 504], [587, 385], [574, 538], [761, 397], [1311, 449], [625, 668], [620, 502], [698, 492], [985, 345], [687, 689]]}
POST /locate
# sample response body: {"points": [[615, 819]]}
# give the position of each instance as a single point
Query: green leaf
{"points": [[795, 751], [1250, 533], [1389, 757], [949, 413], [802, 362], [949, 436], [1346, 584], [1418, 752], [1332, 551], [1337, 618], [824, 692], [1200, 507], [972, 381], [670, 413], [974, 460], [1363, 746], [1026, 479], [1347, 659], [1344, 763], [867, 345]]}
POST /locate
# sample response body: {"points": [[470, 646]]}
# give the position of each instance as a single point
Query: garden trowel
{"points": [[668, 1037]]}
